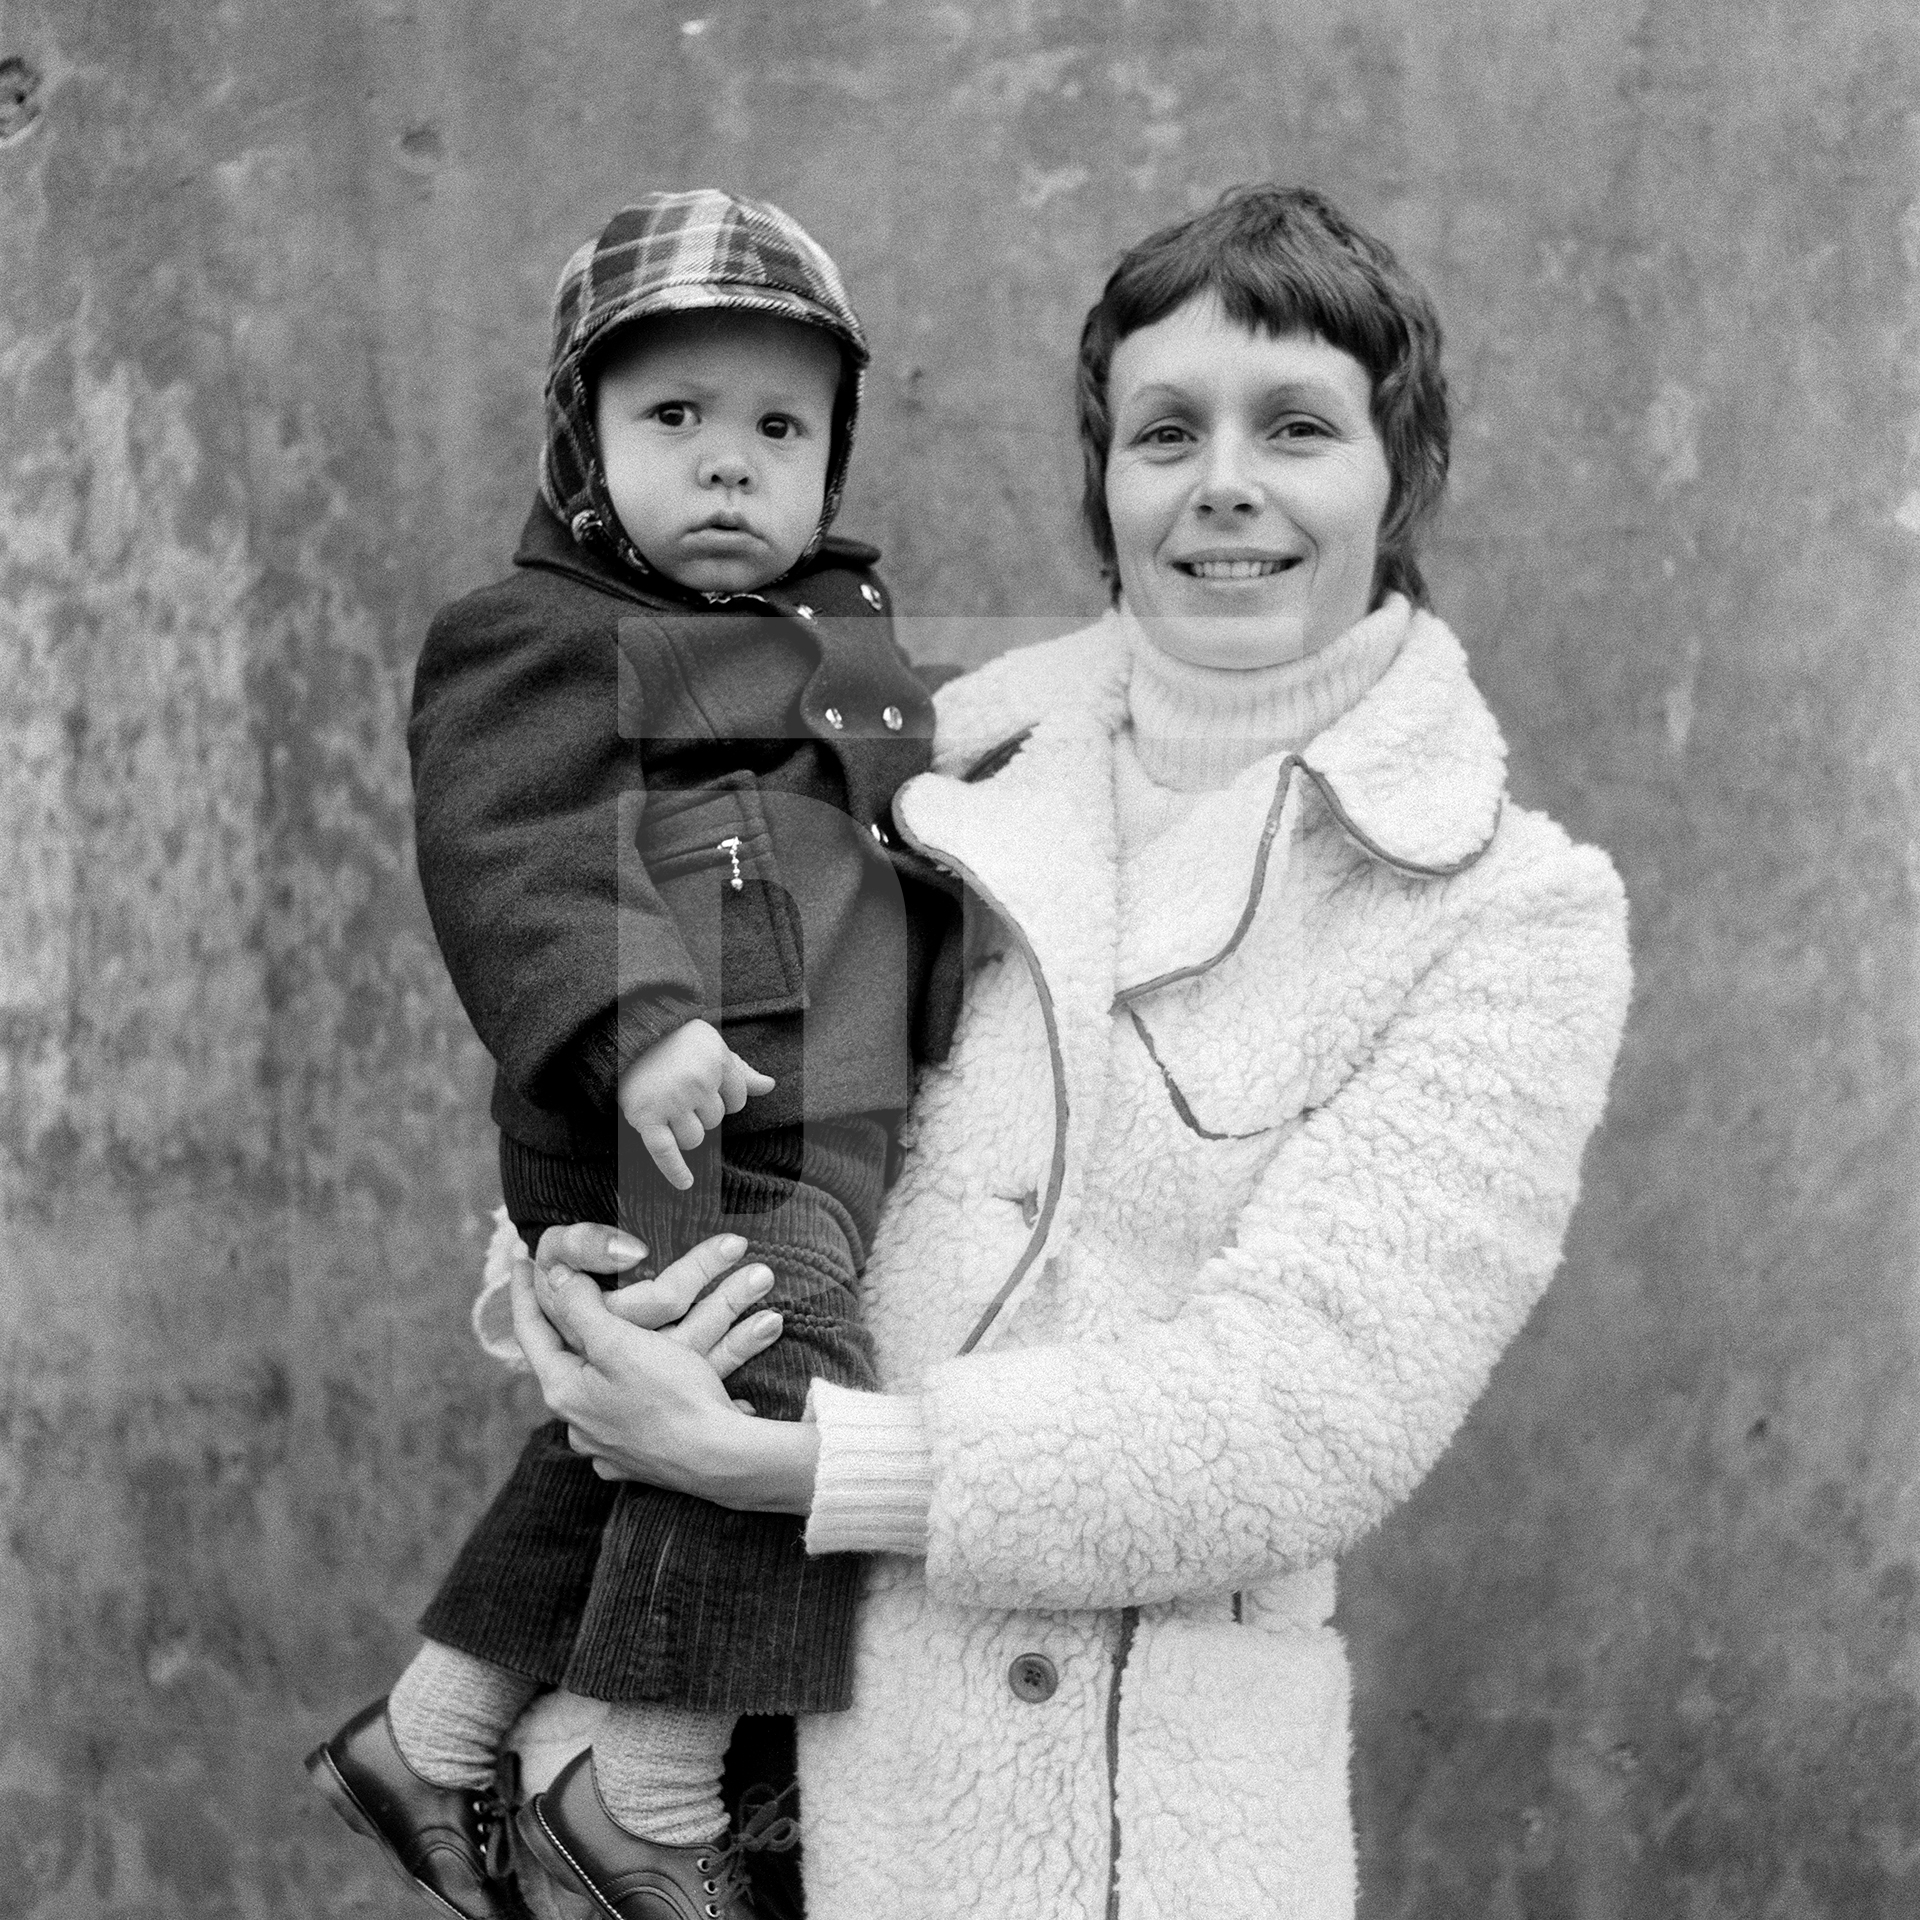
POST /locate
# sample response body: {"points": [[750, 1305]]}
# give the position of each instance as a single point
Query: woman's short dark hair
{"points": [[1285, 260]]}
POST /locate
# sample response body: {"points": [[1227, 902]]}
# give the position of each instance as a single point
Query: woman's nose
{"points": [[1227, 483]]}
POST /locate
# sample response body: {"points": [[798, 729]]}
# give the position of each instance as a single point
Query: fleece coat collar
{"points": [[1414, 774]]}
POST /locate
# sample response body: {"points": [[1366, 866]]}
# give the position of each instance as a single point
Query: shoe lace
{"points": [[494, 1808], [764, 1828]]}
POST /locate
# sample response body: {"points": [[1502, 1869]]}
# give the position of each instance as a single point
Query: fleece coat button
{"points": [[1032, 1678], [894, 718], [836, 719]]}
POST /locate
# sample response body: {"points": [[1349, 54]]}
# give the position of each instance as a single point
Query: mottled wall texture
{"points": [[273, 283]]}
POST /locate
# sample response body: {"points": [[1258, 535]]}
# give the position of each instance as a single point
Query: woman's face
{"points": [[1246, 486]]}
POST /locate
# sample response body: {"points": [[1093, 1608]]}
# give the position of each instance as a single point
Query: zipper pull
{"points": [[731, 848]]}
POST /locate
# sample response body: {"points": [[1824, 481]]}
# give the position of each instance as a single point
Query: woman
{"points": [[1258, 1140]]}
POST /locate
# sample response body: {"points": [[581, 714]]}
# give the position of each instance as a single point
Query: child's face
{"points": [[714, 431]]}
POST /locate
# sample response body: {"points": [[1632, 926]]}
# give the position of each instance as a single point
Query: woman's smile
{"points": [[1236, 566], [1246, 485]]}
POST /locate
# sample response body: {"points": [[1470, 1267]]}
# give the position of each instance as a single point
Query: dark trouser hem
{"points": [[699, 1607], [515, 1592]]}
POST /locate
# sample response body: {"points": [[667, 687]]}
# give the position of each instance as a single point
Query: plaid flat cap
{"points": [[680, 253]]}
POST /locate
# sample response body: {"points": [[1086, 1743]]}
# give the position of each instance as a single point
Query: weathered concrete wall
{"points": [[272, 288]]}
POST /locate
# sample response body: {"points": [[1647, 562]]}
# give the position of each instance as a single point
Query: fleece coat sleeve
{"points": [[1323, 1358], [528, 792]]}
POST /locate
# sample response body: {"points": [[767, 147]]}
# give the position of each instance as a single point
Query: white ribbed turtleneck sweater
{"points": [[1189, 731], [1194, 729]]}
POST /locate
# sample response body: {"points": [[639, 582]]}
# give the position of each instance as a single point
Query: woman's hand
{"points": [[649, 1405], [715, 1328]]}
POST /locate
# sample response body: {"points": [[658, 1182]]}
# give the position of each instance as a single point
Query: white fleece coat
{"points": [[1252, 1174], [1212, 1227]]}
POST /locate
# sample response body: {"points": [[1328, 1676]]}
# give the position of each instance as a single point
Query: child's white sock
{"points": [[450, 1712], [658, 1771]]}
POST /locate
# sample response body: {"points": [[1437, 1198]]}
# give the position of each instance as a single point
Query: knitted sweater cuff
{"points": [[595, 1063], [874, 1487]]}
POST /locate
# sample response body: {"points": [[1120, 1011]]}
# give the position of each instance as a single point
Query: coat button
{"points": [[836, 719], [1033, 1678], [871, 595], [894, 718]]}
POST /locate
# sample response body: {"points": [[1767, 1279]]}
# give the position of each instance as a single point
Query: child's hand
{"points": [[680, 1089]]}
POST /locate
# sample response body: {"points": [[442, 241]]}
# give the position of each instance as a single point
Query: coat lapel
{"points": [[1193, 895], [1036, 844]]}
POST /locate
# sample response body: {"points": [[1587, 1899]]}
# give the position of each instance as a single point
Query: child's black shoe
{"points": [[570, 1832], [450, 1843]]}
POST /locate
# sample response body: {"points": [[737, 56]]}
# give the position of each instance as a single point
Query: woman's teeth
{"points": [[1234, 569]]}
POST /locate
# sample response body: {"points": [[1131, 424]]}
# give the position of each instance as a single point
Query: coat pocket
{"points": [[710, 856]]}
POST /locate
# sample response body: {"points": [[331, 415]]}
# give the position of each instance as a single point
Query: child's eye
{"points": [[781, 426], [674, 413]]}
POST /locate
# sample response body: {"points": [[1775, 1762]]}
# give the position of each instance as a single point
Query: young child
{"points": [[652, 772]]}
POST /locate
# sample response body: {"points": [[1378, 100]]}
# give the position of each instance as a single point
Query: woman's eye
{"points": [[1165, 433], [1298, 429]]}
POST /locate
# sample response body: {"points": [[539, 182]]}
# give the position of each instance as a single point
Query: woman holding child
{"points": [[1283, 1033]]}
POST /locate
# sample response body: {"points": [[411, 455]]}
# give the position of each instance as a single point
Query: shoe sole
{"points": [[341, 1798]]}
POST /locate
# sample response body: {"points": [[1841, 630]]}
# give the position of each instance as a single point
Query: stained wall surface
{"points": [[273, 284]]}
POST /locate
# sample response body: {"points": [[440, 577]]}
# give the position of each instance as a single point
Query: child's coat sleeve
{"points": [[527, 802]]}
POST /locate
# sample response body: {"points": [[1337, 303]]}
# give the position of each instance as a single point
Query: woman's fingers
{"points": [[662, 1300], [553, 1366], [589, 1248], [740, 1343], [708, 1322], [576, 1309], [561, 1316]]}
